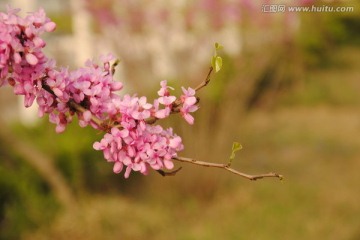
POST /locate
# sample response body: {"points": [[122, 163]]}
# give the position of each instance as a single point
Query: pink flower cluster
{"points": [[21, 51], [91, 87], [131, 140], [140, 147]]}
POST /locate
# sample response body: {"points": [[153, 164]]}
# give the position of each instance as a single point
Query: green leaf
{"points": [[213, 61], [218, 63], [235, 147], [218, 46]]}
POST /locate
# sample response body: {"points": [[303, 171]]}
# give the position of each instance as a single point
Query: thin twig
{"points": [[113, 66], [81, 109], [227, 168], [206, 81], [166, 174]]}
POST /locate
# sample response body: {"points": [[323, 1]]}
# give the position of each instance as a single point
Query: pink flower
{"points": [[188, 100], [118, 166], [175, 142], [188, 97], [164, 90], [167, 100], [141, 110], [61, 120], [160, 113], [49, 26]]}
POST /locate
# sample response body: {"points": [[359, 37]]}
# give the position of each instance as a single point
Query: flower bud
{"points": [[31, 59], [50, 26]]}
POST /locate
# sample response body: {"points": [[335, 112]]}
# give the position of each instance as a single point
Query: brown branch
{"points": [[113, 66], [81, 109], [171, 173], [227, 168], [206, 81]]}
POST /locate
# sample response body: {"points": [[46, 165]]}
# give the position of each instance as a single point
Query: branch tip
{"points": [[228, 168], [206, 81]]}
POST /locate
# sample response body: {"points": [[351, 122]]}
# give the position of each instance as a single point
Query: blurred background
{"points": [[288, 91]]}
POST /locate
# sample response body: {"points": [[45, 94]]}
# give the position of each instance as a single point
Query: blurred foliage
{"points": [[313, 47], [25, 199], [318, 41]]}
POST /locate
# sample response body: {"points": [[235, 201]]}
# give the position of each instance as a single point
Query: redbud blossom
{"points": [[189, 100], [91, 93]]}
